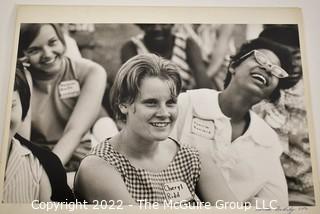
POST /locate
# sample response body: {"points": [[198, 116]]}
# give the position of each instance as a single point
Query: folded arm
{"points": [[212, 186], [85, 112]]}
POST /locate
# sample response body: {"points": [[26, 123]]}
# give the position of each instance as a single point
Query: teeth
{"points": [[160, 124], [49, 62], [260, 78]]}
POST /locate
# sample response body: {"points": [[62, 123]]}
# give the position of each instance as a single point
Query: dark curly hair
{"points": [[283, 53], [287, 35]]}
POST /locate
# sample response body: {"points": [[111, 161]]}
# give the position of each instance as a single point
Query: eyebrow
{"points": [[174, 98], [148, 99], [53, 37], [32, 48], [49, 40]]}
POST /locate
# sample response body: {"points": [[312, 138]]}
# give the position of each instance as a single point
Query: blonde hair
{"points": [[127, 82]]}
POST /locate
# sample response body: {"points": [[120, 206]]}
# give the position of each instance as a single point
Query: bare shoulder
{"points": [[170, 145], [86, 63], [91, 166], [99, 180], [85, 67], [91, 169]]}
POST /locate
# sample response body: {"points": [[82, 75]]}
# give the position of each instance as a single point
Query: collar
{"points": [[259, 131], [18, 149], [205, 104], [18, 152]]}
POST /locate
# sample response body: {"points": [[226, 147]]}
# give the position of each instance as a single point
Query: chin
{"points": [[54, 70], [161, 137]]}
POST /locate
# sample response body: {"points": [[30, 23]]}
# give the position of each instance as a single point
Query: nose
{"points": [[163, 111], [267, 68], [47, 52]]}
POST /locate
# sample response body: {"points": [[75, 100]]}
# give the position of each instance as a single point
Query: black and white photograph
{"points": [[188, 114]]}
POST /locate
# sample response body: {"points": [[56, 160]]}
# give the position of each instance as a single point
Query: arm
{"points": [[128, 50], [98, 180], [85, 113], [197, 65], [275, 188], [212, 186], [45, 187], [275, 192], [220, 50]]}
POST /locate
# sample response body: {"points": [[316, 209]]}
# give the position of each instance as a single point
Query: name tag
{"points": [[203, 128], [69, 89], [177, 191]]}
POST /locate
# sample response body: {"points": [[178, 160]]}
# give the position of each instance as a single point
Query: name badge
{"points": [[177, 192], [203, 128], [69, 89]]}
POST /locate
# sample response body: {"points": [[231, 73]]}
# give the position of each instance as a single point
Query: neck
{"points": [[134, 146], [234, 104]]}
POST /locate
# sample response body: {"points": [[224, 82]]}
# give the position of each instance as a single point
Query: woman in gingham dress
{"points": [[141, 164]]}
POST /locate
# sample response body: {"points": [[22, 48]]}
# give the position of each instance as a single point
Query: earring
{"points": [[123, 108], [231, 70]]}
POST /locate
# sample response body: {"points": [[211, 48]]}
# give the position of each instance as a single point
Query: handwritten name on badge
{"points": [[177, 191], [69, 89], [204, 128]]}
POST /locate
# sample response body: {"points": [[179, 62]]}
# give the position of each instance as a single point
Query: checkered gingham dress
{"points": [[146, 185]]}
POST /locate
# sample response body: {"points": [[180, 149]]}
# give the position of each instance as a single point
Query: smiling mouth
{"points": [[260, 78], [49, 62], [160, 124]]}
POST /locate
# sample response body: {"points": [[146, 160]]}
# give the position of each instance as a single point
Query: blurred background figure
{"points": [[217, 44], [253, 30], [83, 33], [288, 118], [180, 49], [72, 49]]}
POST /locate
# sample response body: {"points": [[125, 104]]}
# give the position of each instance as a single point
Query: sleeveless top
{"points": [[53, 102], [149, 186], [179, 57]]}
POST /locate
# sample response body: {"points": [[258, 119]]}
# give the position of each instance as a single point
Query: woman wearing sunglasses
{"points": [[222, 124]]}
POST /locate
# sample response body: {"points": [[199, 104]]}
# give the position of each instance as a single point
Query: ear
{"points": [[231, 69], [123, 108]]}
